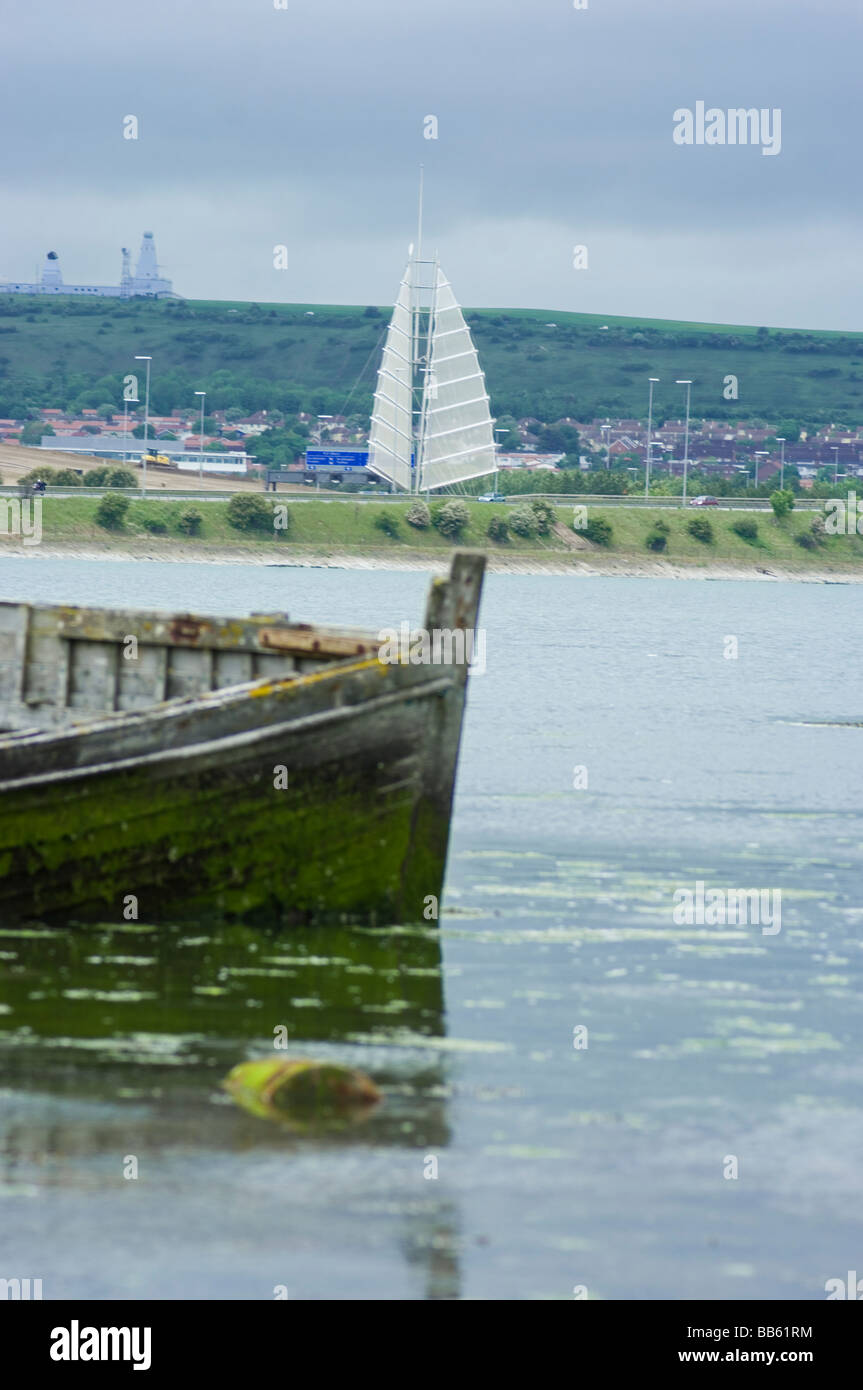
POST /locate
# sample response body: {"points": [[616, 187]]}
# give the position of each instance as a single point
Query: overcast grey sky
{"points": [[304, 127]]}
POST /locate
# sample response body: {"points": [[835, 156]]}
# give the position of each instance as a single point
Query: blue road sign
{"points": [[337, 458]]}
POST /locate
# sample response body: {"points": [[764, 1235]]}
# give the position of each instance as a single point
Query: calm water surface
{"points": [[556, 1166]]}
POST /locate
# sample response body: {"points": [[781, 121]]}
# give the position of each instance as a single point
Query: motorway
{"points": [[302, 494]]}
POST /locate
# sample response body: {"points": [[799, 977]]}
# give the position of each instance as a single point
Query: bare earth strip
{"points": [[306, 558]]}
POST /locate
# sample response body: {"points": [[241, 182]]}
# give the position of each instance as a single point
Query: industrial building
{"points": [[146, 281], [128, 449]]}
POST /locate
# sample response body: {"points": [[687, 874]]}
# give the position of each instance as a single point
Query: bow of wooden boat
{"points": [[320, 789]]}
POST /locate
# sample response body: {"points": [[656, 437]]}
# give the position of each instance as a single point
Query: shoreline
{"points": [[556, 563]]}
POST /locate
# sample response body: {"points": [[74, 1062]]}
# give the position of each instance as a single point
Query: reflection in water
{"points": [[433, 1247], [115, 1040]]}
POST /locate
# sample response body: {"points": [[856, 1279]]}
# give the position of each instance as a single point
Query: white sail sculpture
{"points": [[431, 425]]}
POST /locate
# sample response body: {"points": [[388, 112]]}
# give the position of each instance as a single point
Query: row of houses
{"points": [[599, 432], [717, 444]]}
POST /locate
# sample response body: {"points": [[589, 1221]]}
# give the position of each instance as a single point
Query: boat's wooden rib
{"points": [[321, 792]]}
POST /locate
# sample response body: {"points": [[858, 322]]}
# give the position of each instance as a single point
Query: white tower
{"points": [[52, 278], [147, 268], [126, 276], [147, 279]]}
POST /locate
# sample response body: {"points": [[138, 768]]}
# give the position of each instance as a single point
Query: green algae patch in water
{"points": [[297, 1090]]}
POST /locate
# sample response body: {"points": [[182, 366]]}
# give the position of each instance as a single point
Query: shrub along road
{"points": [[281, 530]]}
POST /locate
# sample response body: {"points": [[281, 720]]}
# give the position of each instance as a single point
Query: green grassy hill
{"points": [[69, 353]]}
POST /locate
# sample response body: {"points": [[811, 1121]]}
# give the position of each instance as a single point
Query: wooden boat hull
{"points": [[316, 797]]}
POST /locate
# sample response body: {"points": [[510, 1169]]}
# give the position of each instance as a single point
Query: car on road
{"points": [[704, 502], [492, 497]]}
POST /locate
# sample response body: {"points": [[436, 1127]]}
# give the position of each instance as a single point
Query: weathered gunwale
{"points": [[75, 740]]}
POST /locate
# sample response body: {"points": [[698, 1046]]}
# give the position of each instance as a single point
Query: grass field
{"points": [[342, 527], [323, 358]]}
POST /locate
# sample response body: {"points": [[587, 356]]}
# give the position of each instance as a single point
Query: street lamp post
{"points": [[148, 360], [203, 396], [320, 441], [604, 428], [759, 454], [497, 451], [780, 440], [688, 385], [652, 380]]}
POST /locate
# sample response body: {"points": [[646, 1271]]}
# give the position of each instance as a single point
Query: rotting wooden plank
{"points": [[13, 644], [232, 668], [141, 682], [92, 681], [315, 641], [46, 662], [277, 666], [190, 672]]}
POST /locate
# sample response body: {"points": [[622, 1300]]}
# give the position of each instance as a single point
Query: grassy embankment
{"points": [[345, 528], [546, 363]]}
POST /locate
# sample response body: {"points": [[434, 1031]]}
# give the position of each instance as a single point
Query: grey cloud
{"points": [[260, 126]]}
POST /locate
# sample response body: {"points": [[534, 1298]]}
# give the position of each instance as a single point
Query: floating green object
{"points": [[298, 1087]]}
